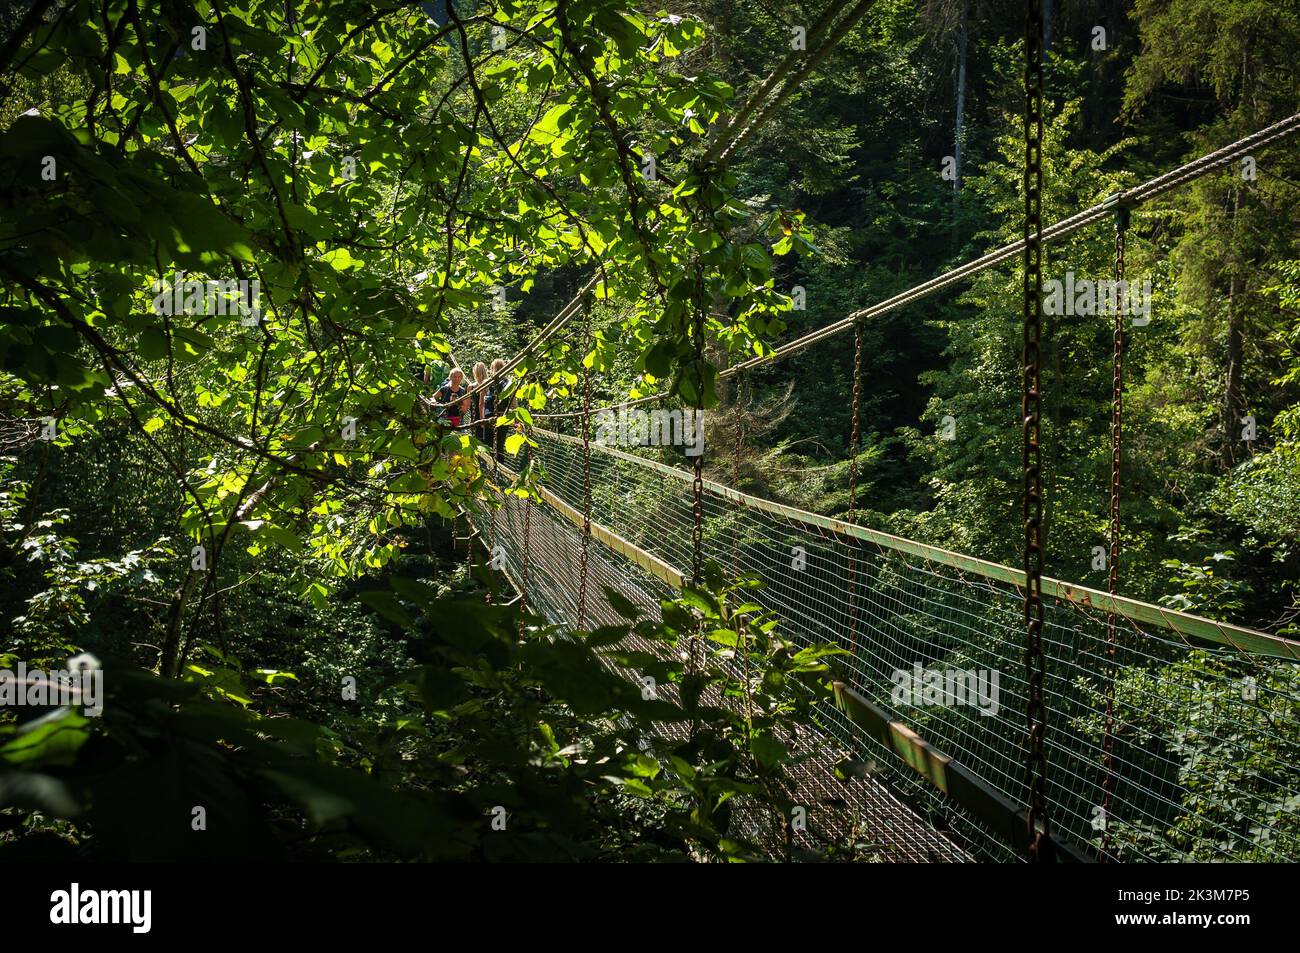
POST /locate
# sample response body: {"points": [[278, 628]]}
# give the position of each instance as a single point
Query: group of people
{"points": [[459, 408]]}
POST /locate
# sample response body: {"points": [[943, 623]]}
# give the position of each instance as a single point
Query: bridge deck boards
{"points": [[862, 810]]}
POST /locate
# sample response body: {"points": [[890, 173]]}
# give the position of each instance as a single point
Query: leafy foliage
{"points": [[484, 747], [380, 171]]}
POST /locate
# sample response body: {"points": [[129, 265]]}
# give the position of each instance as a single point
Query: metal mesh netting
{"points": [[1205, 756], [861, 810]]}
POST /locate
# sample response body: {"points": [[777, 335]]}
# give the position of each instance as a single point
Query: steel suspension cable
{"points": [[553, 327], [729, 139], [568, 415], [1040, 844], [1145, 192], [1067, 226], [792, 60]]}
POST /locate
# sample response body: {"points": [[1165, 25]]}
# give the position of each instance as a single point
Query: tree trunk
{"points": [[959, 130], [169, 663]]}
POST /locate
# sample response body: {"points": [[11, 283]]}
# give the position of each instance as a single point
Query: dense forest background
{"points": [[325, 563], [1210, 517]]}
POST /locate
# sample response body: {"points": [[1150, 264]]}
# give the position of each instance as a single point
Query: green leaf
{"points": [[55, 740], [621, 604], [548, 130], [282, 536], [153, 344], [724, 637], [698, 599], [386, 604], [340, 259], [767, 750], [202, 235]]}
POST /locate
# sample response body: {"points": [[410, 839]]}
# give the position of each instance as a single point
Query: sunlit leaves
{"points": [[347, 163]]}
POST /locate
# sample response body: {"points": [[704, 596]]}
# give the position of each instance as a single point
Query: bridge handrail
{"points": [[1183, 624]]}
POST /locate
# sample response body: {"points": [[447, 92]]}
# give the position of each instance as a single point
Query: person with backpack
{"points": [[481, 424], [452, 396], [495, 403]]}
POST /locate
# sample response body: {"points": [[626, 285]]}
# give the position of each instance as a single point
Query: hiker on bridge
{"points": [[491, 405], [452, 394], [479, 419]]}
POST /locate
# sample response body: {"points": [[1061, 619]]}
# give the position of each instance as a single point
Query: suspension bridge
{"points": [[1118, 730], [1147, 704], [1175, 682], [1126, 731]]}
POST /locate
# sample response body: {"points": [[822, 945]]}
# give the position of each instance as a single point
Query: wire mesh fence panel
{"points": [[1205, 756], [860, 813]]}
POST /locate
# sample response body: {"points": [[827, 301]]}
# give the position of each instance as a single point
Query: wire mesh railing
{"points": [[1205, 758], [857, 811]]}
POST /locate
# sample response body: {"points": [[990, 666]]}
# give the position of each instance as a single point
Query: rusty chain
{"points": [[738, 450], [586, 465], [697, 502], [697, 483], [855, 444], [1112, 565], [469, 548], [1039, 826], [492, 522], [525, 559]]}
